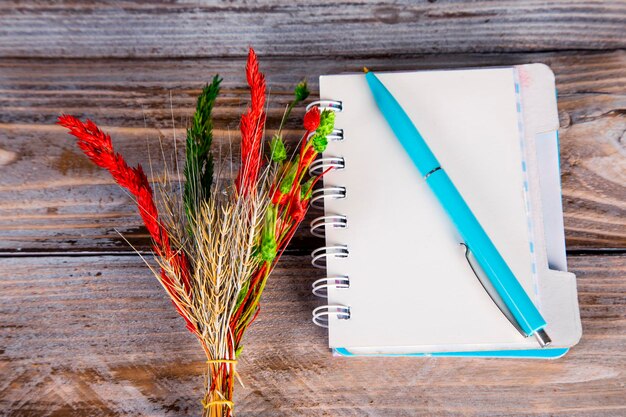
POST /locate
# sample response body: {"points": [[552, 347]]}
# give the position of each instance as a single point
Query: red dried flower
{"points": [[98, 147], [252, 127], [309, 156], [312, 119], [297, 208], [279, 198]]}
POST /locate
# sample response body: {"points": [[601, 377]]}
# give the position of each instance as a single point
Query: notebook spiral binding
{"points": [[323, 313]]}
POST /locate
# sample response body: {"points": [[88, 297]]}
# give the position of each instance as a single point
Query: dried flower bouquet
{"points": [[216, 242]]}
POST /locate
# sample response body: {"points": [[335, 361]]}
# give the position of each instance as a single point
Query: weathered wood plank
{"points": [[83, 29], [96, 336], [52, 198]]}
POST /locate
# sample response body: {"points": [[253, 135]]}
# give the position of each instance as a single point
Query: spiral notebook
{"points": [[397, 280]]}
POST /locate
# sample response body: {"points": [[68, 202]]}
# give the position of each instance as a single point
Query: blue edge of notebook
{"points": [[523, 353], [520, 353]]}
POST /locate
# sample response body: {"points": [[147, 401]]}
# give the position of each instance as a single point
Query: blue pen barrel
{"points": [[486, 254]]}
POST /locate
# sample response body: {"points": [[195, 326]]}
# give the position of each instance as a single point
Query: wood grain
{"points": [[96, 336], [80, 29], [52, 198]]}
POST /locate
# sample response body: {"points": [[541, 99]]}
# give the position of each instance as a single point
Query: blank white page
{"points": [[410, 284]]}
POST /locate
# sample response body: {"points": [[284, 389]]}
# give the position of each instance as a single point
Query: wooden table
{"points": [[87, 331]]}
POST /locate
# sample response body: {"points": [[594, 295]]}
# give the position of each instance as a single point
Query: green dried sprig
{"points": [[198, 159], [277, 149], [325, 128], [301, 91], [269, 246]]}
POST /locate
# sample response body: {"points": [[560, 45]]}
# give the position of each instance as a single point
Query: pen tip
{"points": [[365, 70], [543, 338]]}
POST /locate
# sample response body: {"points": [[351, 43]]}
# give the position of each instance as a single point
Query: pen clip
{"points": [[489, 288]]}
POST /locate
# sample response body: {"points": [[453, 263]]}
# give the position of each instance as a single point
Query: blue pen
{"points": [[501, 284]]}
